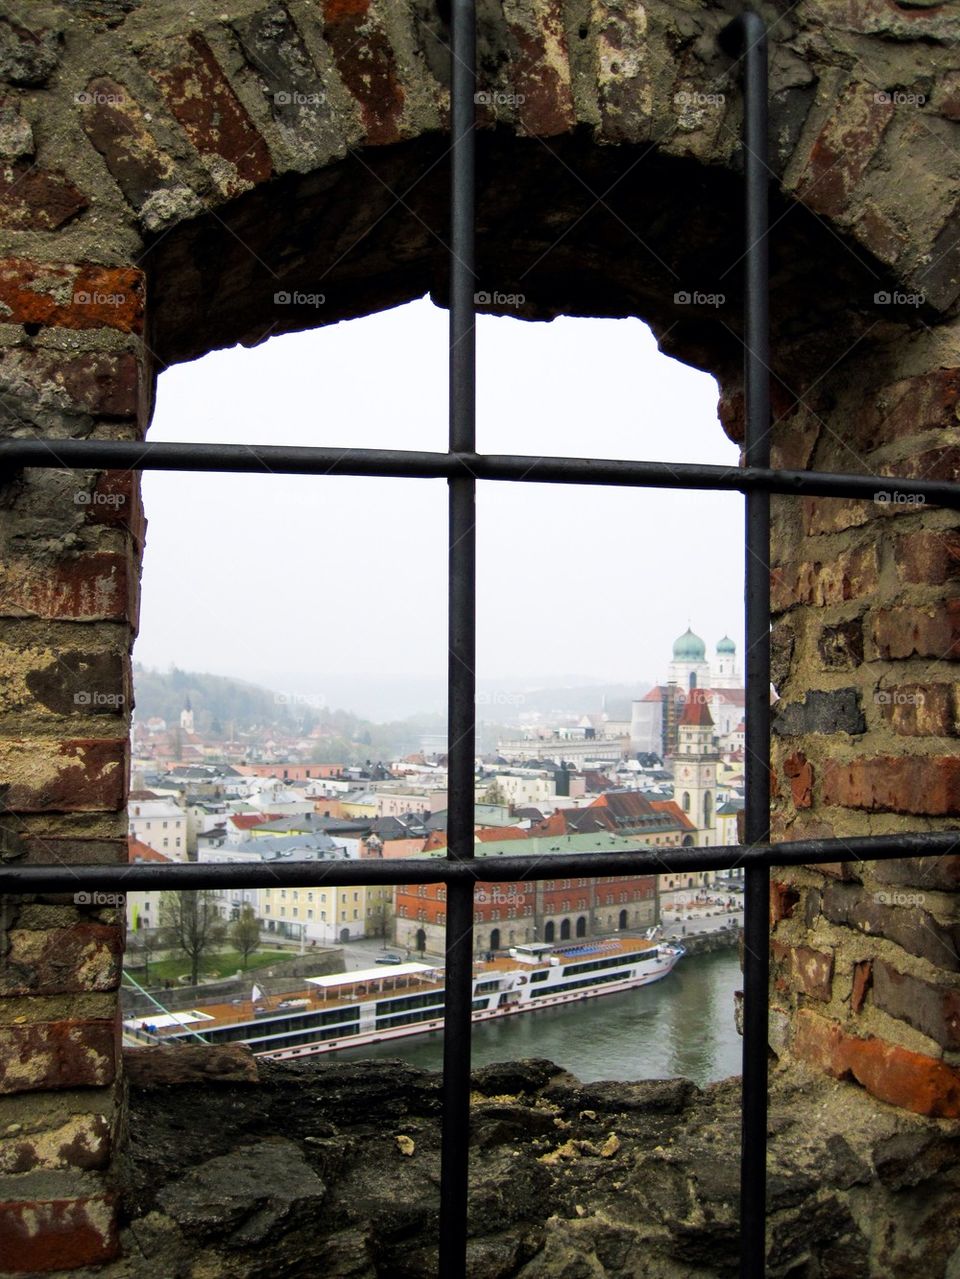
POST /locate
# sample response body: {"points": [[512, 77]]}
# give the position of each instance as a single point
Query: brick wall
{"points": [[172, 180]]}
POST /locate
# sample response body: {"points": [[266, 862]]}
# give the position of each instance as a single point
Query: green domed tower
{"points": [[689, 659]]}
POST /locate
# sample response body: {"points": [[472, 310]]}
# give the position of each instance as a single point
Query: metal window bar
{"points": [[461, 466]]}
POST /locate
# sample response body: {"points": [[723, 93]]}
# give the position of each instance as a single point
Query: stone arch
{"points": [[169, 180]]}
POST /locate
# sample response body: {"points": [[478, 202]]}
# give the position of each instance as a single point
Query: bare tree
{"points": [[245, 933], [145, 944], [193, 922]]}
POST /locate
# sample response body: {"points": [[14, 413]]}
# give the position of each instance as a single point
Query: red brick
{"points": [[913, 1081], [877, 233], [34, 199], [928, 556], [366, 63], [843, 150], [914, 405], [79, 775], [57, 1054], [59, 961], [115, 501], [851, 575], [862, 977], [783, 901], [105, 384], [928, 785], [117, 126], [203, 101], [806, 970], [932, 873], [799, 771], [100, 586], [919, 710], [58, 1234], [932, 630], [539, 70], [47, 293]]}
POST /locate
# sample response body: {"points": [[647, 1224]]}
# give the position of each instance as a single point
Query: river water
{"points": [[682, 1025]]}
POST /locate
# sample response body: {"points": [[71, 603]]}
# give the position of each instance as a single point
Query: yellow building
{"points": [[321, 914]]}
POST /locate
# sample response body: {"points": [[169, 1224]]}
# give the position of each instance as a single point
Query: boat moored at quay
{"points": [[374, 1005]]}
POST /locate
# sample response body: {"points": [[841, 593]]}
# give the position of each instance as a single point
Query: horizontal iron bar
{"points": [[497, 869], [282, 459]]}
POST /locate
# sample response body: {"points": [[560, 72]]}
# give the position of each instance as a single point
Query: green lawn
{"points": [[224, 963]]}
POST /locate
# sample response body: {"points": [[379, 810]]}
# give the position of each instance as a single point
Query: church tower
{"points": [[186, 717], [695, 768]]}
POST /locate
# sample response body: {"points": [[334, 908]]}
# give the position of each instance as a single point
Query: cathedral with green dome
{"points": [[690, 659]]}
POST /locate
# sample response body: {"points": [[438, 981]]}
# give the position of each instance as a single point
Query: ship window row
{"points": [[303, 1037], [617, 961], [602, 979], [405, 1019], [487, 985], [541, 976], [390, 1006]]}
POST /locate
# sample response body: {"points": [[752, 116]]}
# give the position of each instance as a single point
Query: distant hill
{"points": [[221, 704]]}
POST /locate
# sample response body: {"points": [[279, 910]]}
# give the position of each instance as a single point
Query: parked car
{"points": [[389, 958]]}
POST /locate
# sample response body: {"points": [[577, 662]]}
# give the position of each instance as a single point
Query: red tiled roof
{"points": [[246, 821], [487, 834], [696, 713], [138, 851], [673, 809]]}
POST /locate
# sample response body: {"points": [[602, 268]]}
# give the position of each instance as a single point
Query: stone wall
{"points": [[180, 178]]}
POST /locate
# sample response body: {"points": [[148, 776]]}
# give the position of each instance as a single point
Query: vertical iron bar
{"points": [[749, 34], [461, 684]]}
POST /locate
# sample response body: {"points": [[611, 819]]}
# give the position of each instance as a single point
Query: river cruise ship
{"points": [[374, 1005]]}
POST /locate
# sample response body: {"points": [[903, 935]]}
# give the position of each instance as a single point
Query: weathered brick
{"points": [[209, 112], [860, 987], [101, 383], [79, 295], [116, 124], [928, 555], [804, 969], [919, 710], [74, 682], [933, 873], [843, 149], [783, 901], [366, 62], [799, 772], [56, 849], [852, 574], [909, 407], [924, 1085], [28, 56], [540, 70], [57, 961], [59, 1234], [834, 711], [35, 199], [161, 1065], [931, 630], [115, 500], [841, 646], [99, 586], [40, 1056], [16, 135], [80, 775], [910, 926], [928, 784], [833, 515], [932, 1009], [81, 1143]]}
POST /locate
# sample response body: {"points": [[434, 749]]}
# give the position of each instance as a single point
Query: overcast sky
{"points": [[295, 582]]}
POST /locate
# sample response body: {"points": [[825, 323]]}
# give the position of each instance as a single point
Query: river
{"points": [[682, 1025]]}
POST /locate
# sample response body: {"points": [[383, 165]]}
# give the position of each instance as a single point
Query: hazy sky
{"points": [[294, 581]]}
